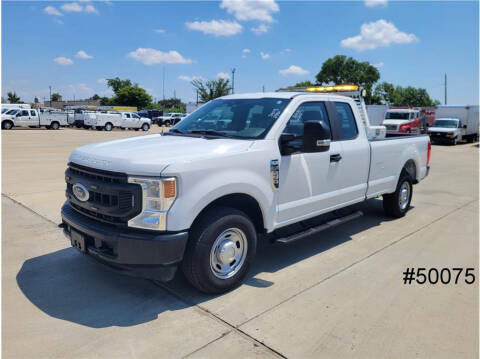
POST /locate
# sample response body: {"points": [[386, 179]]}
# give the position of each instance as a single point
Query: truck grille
{"points": [[111, 198], [391, 127]]}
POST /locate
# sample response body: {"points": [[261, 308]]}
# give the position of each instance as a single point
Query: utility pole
{"points": [[50, 87], [163, 82], [263, 88], [445, 89], [233, 80], [174, 93]]}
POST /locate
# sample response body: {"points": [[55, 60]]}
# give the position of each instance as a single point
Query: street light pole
{"points": [[233, 81], [50, 87]]}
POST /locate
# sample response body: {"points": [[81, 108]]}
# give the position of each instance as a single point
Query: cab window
{"points": [[32, 113], [24, 113], [127, 115], [307, 111], [347, 121]]}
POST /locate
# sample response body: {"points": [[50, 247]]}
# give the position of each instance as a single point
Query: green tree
{"points": [[210, 90], [343, 70], [13, 98], [384, 93], [117, 84], [105, 101], [304, 84], [95, 97], [173, 102], [56, 97], [132, 96]]}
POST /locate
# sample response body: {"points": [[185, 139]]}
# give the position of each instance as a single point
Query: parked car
{"points": [[134, 121], [272, 166], [32, 118], [151, 114], [454, 124], [402, 120], [169, 119]]}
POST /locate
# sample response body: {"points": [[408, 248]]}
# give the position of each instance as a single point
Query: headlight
{"points": [[158, 195]]}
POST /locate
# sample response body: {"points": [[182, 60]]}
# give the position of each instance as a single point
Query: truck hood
{"points": [[441, 129], [395, 122], [150, 155]]}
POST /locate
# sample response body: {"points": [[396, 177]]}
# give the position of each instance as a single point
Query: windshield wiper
{"points": [[211, 132]]}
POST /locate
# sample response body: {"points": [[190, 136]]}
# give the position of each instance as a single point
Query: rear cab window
{"points": [[346, 119]]}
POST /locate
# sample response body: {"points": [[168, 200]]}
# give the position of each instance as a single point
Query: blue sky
{"points": [[73, 46]]}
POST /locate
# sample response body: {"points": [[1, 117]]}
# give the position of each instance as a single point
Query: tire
{"points": [[54, 125], [395, 206], [166, 123], [225, 228], [454, 142], [145, 127], [7, 125], [108, 126]]}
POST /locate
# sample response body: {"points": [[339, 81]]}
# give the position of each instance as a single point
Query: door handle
{"points": [[335, 158]]}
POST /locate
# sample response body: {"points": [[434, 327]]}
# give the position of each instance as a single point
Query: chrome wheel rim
{"points": [[228, 253], [404, 195], [7, 125]]}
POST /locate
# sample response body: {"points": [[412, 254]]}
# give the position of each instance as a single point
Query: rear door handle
{"points": [[335, 158]]}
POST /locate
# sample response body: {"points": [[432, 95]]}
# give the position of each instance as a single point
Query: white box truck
{"points": [[454, 124], [32, 118]]}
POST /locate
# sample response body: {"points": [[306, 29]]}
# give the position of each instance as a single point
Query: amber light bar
{"points": [[332, 88]]}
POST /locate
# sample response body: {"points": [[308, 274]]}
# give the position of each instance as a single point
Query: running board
{"points": [[322, 227]]}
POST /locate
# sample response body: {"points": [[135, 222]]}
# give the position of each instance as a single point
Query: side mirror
{"points": [[316, 137]]}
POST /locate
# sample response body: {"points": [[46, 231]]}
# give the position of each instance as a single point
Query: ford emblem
{"points": [[80, 192]]}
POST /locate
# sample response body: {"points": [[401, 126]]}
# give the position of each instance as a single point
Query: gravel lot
{"points": [[339, 294]]}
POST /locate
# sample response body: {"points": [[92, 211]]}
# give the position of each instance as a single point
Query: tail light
{"points": [[429, 152]]}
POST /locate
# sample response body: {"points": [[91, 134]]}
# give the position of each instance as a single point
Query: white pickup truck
{"points": [[264, 166], [134, 121], [33, 118]]}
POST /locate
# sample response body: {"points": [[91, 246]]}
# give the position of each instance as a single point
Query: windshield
{"points": [[11, 112], [397, 115], [239, 118], [445, 123]]}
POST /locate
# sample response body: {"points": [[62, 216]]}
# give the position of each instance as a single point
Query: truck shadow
{"points": [[70, 286]]}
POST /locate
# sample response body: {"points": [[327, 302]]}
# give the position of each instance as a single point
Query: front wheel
{"points": [[167, 123], [145, 127], [220, 250], [396, 204], [7, 125]]}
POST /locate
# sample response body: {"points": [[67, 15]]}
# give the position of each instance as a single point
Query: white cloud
{"points": [[91, 9], [64, 61], [293, 70], [246, 51], [80, 91], [380, 33], [83, 55], [189, 78], [264, 55], [72, 7], [260, 29], [245, 10], [287, 50], [152, 57], [223, 75], [102, 81], [160, 31], [216, 27], [372, 3], [380, 64], [52, 10]]}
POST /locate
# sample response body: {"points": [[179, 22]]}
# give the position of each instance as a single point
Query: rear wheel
{"points": [[396, 204], [145, 127], [54, 125], [220, 250], [167, 123], [108, 126]]}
